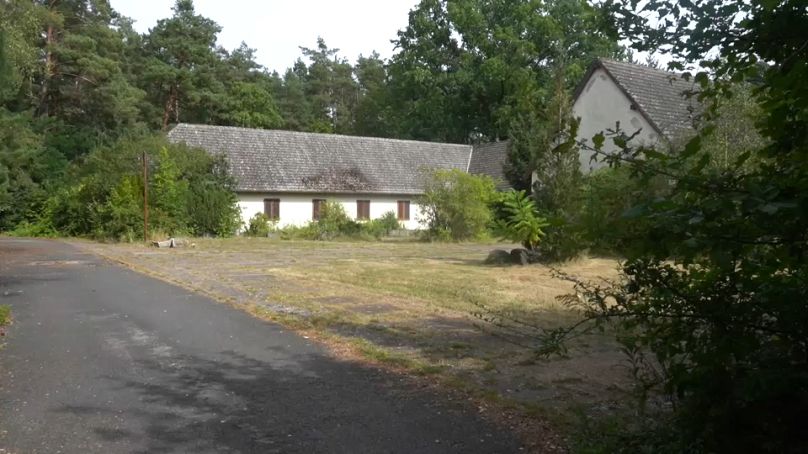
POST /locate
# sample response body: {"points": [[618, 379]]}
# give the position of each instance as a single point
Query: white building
{"points": [[287, 175], [643, 100]]}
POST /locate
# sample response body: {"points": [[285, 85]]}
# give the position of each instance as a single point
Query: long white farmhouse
{"points": [[288, 175]]}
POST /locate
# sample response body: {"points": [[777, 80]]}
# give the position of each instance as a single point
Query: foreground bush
{"points": [[334, 224], [190, 192], [456, 205], [381, 227], [712, 307], [260, 226], [517, 219]]}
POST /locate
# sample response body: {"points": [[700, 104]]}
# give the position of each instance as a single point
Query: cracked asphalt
{"points": [[101, 359]]}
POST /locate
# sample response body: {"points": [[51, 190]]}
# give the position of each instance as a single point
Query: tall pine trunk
{"points": [[50, 66], [172, 106]]}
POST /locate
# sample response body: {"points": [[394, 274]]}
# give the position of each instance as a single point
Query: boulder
{"points": [[520, 256], [498, 257]]}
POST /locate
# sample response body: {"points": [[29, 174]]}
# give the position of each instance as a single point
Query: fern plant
{"points": [[517, 219]]}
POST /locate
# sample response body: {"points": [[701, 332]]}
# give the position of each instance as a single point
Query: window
{"points": [[272, 209], [403, 210], [316, 206], [363, 209]]}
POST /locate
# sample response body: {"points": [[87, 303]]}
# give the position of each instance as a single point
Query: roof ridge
{"points": [[292, 161], [324, 134], [641, 66]]}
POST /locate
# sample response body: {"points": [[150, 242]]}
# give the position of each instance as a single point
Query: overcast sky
{"points": [[277, 27]]}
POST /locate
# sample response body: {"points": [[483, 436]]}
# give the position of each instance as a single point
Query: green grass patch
{"points": [[375, 353], [5, 314]]}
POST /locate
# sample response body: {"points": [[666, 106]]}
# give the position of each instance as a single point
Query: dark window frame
{"points": [[363, 210], [316, 207], [272, 209], [403, 210]]}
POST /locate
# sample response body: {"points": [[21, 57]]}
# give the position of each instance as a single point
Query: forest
{"points": [[77, 80], [711, 305]]}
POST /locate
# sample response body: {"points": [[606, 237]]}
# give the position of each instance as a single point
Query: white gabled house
{"points": [[287, 175], [640, 98]]}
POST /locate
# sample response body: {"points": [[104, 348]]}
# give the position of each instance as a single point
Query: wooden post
{"points": [[145, 198]]}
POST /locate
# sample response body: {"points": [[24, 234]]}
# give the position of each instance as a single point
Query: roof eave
{"points": [[585, 80], [332, 192]]}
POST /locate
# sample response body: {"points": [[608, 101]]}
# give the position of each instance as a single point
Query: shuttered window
{"points": [[272, 209], [403, 210], [363, 209], [316, 206]]}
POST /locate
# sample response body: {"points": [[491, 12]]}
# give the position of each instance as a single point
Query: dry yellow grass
{"points": [[410, 304]]}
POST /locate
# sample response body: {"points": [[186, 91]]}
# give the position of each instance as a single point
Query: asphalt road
{"points": [[104, 360]]}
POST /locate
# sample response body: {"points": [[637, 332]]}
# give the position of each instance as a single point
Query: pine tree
{"points": [[330, 89], [372, 115], [82, 81], [181, 63]]}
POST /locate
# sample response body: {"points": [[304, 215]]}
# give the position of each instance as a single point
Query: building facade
{"points": [[287, 175]]}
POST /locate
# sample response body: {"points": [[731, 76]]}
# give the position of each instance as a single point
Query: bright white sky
{"points": [[277, 27]]}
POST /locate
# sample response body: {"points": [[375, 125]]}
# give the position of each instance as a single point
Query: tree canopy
{"points": [[712, 303], [77, 76]]}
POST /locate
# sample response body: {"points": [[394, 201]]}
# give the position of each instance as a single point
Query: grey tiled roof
{"points": [[659, 95], [489, 159], [286, 161]]}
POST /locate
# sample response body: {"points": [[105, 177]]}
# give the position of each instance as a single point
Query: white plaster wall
{"points": [[296, 209], [600, 106]]}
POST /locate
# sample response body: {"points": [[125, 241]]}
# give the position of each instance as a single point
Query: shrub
{"points": [[382, 226], [190, 191], [456, 205], [389, 222], [260, 225], [608, 194], [712, 304], [516, 219], [333, 222], [122, 210], [32, 229], [295, 232], [168, 196], [211, 200], [563, 240]]}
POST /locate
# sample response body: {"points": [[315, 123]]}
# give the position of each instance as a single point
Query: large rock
{"points": [[498, 257], [520, 256]]}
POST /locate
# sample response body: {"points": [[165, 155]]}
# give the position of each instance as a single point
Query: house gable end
{"points": [[592, 72]]}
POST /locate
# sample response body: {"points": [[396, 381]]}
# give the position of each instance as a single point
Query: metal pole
{"points": [[145, 199]]}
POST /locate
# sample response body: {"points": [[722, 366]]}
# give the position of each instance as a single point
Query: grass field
{"points": [[409, 305], [5, 314]]}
